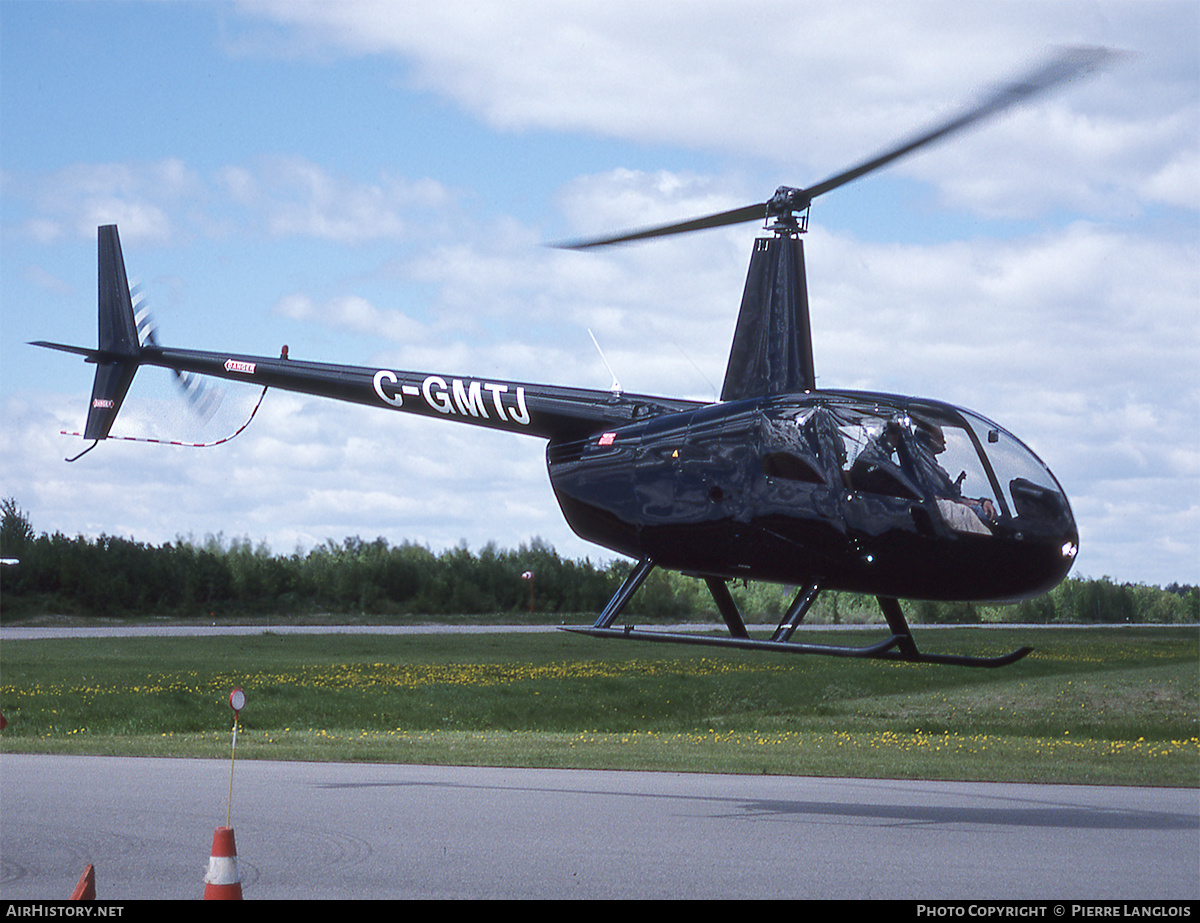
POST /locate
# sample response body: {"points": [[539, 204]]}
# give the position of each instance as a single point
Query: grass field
{"points": [[1090, 705]]}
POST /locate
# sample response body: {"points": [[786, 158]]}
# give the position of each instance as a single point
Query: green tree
{"points": [[16, 532]]}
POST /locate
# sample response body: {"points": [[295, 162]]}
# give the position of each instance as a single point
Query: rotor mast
{"points": [[772, 344]]}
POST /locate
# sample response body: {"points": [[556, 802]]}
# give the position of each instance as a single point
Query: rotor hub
{"points": [[789, 209]]}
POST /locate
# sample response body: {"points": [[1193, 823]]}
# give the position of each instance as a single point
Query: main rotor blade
{"points": [[720, 219], [1068, 63]]}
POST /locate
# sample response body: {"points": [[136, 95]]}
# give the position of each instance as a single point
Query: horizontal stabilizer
{"points": [[91, 355]]}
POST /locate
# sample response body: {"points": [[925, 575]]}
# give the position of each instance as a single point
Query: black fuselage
{"points": [[846, 489]]}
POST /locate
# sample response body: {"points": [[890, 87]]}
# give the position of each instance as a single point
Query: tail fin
{"points": [[772, 343], [117, 356]]}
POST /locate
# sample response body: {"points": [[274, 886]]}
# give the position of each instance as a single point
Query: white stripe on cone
{"points": [[222, 870]]}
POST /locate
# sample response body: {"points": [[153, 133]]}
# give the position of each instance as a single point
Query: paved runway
{"points": [[338, 831]]}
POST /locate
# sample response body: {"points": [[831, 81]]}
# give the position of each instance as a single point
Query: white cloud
{"points": [[159, 202], [141, 196], [354, 313], [814, 87], [1178, 182], [293, 197]]}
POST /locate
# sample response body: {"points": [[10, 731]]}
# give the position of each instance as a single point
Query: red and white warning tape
{"points": [[190, 445]]}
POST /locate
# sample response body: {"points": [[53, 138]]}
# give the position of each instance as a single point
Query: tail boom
{"points": [[545, 411]]}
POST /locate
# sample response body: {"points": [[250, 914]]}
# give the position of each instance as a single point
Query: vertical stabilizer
{"points": [[117, 356]]}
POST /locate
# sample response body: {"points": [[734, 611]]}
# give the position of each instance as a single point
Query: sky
{"points": [[375, 183]]}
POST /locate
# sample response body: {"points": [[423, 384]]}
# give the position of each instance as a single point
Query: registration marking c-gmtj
{"points": [[459, 397]]}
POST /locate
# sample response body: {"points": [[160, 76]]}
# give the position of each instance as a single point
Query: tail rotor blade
{"points": [[143, 320], [202, 398]]}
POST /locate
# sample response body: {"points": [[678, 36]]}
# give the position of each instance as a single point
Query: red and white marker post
{"points": [[222, 881], [237, 701]]}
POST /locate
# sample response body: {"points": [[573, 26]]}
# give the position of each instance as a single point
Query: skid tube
{"points": [[899, 647]]}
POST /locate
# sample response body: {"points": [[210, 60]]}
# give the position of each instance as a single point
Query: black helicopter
{"points": [[779, 481]]}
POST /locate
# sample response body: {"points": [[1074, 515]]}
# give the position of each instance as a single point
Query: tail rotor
{"points": [[202, 398], [126, 332]]}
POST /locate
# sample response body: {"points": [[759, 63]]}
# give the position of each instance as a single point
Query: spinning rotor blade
{"points": [[1068, 63], [202, 398], [720, 219]]}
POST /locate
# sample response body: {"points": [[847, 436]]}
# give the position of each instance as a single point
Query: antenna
{"points": [[699, 371], [616, 385]]}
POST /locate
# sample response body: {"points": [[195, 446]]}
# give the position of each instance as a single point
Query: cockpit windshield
{"points": [[1028, 488], [978, 476]]}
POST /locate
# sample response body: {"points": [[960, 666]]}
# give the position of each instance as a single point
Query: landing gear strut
{"points": [[900, 646]]}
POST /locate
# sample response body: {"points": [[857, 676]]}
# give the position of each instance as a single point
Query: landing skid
{"points": [[899, 647]]}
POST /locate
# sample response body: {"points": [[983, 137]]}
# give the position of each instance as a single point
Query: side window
{"points": [[791, 467], [877, 465], [802, 444]]}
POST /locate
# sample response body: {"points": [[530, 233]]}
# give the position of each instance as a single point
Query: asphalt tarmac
{"points": [[331, 831]]}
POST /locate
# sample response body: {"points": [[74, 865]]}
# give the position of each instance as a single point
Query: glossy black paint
{"points": [[765, 490]]}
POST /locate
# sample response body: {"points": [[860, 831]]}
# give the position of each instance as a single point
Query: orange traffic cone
{"points": [[222, 883], [86, 889]]}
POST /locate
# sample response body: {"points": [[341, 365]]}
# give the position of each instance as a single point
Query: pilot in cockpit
{"points": [[927, 443]]}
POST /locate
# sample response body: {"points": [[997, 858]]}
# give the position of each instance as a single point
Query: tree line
{"points": [[119, 577]]}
